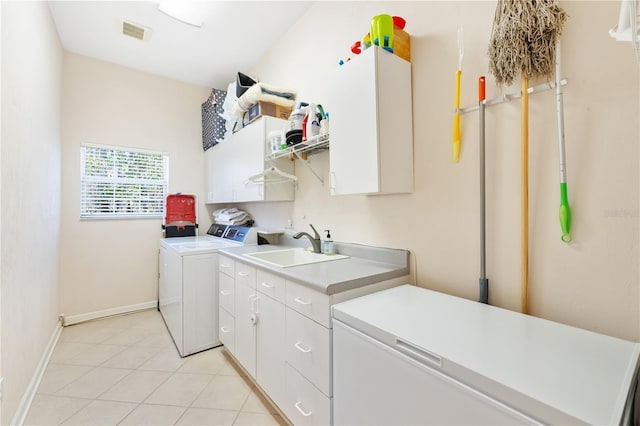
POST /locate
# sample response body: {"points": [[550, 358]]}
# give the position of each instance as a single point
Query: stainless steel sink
{"points": [[293, 257]]}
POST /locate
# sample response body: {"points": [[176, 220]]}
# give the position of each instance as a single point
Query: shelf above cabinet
{"points": [[315, 145]]}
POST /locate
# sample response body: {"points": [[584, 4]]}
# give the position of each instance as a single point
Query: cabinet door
{"points": [[271, 347], [371, 125], [209, 175], [354, 126], [248, 160], [245, 327], [219, 167]]}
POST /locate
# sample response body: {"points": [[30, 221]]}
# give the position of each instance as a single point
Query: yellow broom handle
{"points": [[456, 121], [525, 192]]}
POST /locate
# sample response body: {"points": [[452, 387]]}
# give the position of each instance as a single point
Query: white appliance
{"points": [[188, 284], [408, 355]]}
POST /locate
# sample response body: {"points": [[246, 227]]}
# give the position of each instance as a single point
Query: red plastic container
{"points": [[180, 215]]}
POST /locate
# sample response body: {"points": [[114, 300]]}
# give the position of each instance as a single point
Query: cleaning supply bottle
{"points": [[327, 245], [324, 124], [312, 125]]}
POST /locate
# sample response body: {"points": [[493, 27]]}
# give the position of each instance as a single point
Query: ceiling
{"points": [[233, 37]]}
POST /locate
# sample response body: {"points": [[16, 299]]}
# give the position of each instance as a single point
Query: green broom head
{"points": [[523, 39]]}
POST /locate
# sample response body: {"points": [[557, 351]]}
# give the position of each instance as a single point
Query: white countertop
{"points": [[531, 363], [365, 265]]}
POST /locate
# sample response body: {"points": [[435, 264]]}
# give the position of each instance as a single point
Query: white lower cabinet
{"points": [[280, 333]]}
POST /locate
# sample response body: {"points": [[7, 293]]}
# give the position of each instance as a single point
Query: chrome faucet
{"points": [[315, 241]]}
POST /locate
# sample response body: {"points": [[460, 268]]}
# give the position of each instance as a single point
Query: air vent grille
{"points": [[133, 30]]}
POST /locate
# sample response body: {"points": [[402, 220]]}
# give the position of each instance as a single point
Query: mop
{"points": [[523, 41]]}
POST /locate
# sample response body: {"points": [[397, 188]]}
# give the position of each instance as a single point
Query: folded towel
{"points": [[226, 210], [232, 216], [266, 93]]}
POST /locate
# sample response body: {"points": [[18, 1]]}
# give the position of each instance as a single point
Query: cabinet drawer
{"points": [[308, 349], [246, 274], [227, 330], [308, 302], [305, 405], [271, 285], [227, 296], [226, 265]]}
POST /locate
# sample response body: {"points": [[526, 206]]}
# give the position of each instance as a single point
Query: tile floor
{"points": [[125, 370]]}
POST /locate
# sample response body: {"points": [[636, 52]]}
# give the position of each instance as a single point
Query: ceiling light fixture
{"points": [[185, 11]]}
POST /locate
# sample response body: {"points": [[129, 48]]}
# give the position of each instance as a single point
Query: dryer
{"points": [[188, 284]]}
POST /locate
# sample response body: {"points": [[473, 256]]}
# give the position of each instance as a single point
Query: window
{"points": [[122, 182]]}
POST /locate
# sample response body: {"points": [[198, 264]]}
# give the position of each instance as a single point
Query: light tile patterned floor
{"points": [[125, 370]]}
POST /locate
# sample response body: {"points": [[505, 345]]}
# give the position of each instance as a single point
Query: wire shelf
{"points": [[312, 146]]}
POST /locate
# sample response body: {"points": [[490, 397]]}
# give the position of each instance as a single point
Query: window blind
{"points": [[122, 182]]}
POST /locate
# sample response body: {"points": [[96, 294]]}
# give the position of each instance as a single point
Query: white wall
{"points": [[107, 264], [30, 192], [592, 282]]}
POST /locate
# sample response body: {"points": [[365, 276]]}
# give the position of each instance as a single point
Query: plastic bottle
{"points": [[324, 124], [327, 245], [304, 127], [312, 123]]}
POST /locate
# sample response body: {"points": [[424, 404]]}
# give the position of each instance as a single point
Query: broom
{"points": [[523, 42]]}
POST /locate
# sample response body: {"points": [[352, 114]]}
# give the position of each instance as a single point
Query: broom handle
{"points": [[525, 192]]}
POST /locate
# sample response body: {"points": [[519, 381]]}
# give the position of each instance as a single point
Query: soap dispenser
{"points": [[327, 244]]}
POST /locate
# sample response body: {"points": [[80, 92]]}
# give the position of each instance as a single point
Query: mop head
{"points": [[523, 39]]}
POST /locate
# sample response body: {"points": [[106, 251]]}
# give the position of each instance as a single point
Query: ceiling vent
{"points": [[134, 30]]}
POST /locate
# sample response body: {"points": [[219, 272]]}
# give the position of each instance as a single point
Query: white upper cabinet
{"points": [[218, 174], [231, 163], [371, 125]]}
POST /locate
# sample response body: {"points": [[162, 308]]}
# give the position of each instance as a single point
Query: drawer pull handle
{"points": [[302, 348], [225, 292], [301, 410], [243, 274], [225, 329], [224, 265], [266, 285], [302, 302]]}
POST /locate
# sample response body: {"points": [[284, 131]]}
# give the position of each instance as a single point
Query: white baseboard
{"points": [[75, 319], [30, 392]]}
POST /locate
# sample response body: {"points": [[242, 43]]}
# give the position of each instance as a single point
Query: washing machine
{"points": [[188, 284]]}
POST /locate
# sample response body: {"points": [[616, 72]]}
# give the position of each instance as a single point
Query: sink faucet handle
{"points": [[316, 236]]}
